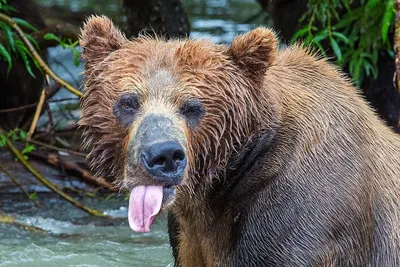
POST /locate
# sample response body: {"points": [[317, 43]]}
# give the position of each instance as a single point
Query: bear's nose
{"points": [[166, 161]]}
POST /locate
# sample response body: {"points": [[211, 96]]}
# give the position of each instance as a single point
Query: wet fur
{"points": [[317, 172]]}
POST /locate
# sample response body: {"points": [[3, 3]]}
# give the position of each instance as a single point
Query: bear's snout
{"points": [[157, 153], [165, 161]]}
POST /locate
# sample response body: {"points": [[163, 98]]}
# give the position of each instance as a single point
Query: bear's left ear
{"points": [[254, 51], [98, 38]]}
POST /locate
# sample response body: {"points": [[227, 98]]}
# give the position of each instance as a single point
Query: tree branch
{"points": [[3, 169], [39, 108], [36, 55], [48, 183], [11, 220]]}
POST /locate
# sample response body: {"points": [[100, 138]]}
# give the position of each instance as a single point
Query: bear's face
{"points": [[160, 115]]}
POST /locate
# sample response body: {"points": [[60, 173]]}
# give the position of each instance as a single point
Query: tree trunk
{"points": [[163, 17]]}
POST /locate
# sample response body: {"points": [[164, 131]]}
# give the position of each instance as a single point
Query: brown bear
{"points": [[261, 156]]}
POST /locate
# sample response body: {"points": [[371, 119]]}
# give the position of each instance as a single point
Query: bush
{"points": [[355, 31]]}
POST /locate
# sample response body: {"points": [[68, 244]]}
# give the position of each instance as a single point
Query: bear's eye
{"points": [[128, 102], [193, 111], [125, 109]]}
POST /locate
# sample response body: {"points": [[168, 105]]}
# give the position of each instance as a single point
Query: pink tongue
{"points": [[144, 204]]}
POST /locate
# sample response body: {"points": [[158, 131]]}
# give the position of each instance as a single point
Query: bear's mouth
{"points": [[145, 202]]}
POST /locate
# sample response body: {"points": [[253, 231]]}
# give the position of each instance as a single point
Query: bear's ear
{"points": [[254, 51], [98, 38]]}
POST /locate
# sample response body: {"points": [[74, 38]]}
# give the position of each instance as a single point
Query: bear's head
{"points": [[164, 117]]}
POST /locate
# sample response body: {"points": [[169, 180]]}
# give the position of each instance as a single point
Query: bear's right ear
{"points": [[98, 38], [254, 52]]}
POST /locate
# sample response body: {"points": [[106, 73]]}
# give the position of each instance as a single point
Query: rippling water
{"points": [[75, 239]]}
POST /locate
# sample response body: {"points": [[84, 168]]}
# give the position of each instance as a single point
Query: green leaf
{"points": [[33, 58], [370, 69], [33, 41], [336, 49], [391, 53], [22, 135], [373, 57], [7, 9], [72, 44], [26, 50], [25, 24], [4, 53], [36, 63], [27, 149], [110, 196], [2, 140], [358, 74], [367, 68], [9, 34], [320, 48], [13, 134], [321, 35], [300, 33], [372, 3], [90, 194], [33, 196], [387, 19], [76, 57], [352, 64], [341, 37], [349, 18], [347, 5], [22, 53], [51, 36]]}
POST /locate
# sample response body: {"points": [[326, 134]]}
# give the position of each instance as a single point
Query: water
{"points": [[73, 238], [220, 20]]}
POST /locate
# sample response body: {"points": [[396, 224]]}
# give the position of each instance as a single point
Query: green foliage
{"points": [[353, 31], [27, 149], [111, 196], [11, 45], [33, 196], [18, 135], [6, 56], [3, 141], [4, 7], [90, 194], [65, 44]]}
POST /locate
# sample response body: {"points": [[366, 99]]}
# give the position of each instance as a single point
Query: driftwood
{"points": [[48, 183], [71, 164], [73, 167]]}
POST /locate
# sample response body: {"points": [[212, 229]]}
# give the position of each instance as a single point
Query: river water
{"points": [[72, 237]]}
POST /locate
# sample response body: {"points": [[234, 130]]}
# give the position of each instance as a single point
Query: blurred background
{"points": [[53, 210]]}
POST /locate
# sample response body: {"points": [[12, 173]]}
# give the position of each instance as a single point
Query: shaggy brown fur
{"points": [[288, 167]]}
